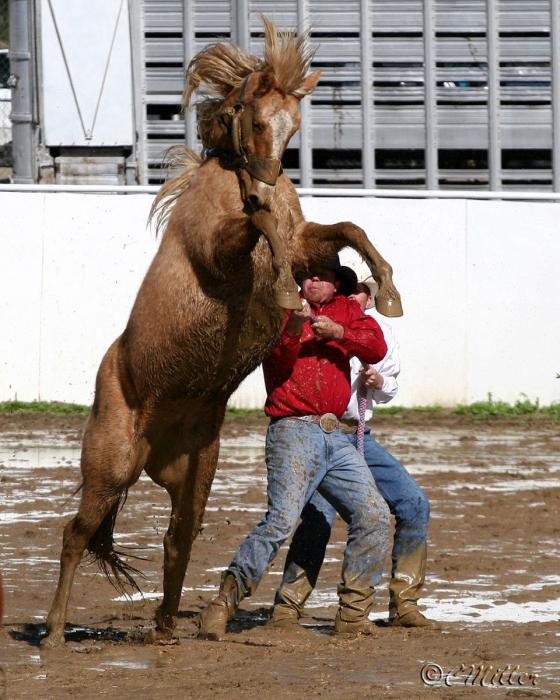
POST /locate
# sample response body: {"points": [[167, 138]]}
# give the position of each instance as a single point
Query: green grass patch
{"points": [[389, 410], [67, 409], [58, 407], [521, 407], [240, 412], [481, 409]]}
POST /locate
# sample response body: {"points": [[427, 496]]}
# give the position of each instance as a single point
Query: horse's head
{"points": [[258, 119], [249, 106]]}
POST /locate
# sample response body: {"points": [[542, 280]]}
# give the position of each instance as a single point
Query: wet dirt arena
{"points": [[493, 576]]}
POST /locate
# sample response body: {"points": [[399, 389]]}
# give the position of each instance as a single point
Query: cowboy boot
{"points": [[404, 590], [291, 597], [213, 620], [355, 605]]}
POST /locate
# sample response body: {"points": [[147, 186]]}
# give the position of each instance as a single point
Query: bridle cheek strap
{"points": [[236, 132]]}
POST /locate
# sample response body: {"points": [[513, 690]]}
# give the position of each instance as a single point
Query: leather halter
{"points": [[266, 170]]}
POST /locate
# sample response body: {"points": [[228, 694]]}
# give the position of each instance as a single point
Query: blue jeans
{"points": [[301, 459], [406, 501]]}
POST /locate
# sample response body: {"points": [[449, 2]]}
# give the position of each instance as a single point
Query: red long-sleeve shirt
{"points": [[308, 375]]}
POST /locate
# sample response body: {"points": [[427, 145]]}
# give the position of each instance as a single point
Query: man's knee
{"points": [[415, 508], [384, 512], [373, 515], [424, 508], [277, 528]]}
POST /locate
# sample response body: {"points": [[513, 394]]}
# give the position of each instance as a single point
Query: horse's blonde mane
{"points": [[217, 70], [220, 68], [287, 56], [177, 157]]}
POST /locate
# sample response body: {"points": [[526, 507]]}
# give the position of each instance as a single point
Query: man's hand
{"points": [[298, 318], [326, 328], [371, 378]]}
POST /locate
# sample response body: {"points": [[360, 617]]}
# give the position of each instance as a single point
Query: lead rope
{"points": [[362, 406]]}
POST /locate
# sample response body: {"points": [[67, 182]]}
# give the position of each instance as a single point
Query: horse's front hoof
{"points": [[389, 304], [288, 299]]}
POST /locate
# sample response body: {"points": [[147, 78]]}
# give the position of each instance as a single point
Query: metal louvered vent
{"points": [[438, 93]]}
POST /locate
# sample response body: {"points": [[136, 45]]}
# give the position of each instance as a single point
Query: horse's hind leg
{"points": [[95, 507], [187, 479], [112, 460]]}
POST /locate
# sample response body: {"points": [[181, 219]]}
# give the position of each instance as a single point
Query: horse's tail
{"points": [[101, 548], [187, 162]]}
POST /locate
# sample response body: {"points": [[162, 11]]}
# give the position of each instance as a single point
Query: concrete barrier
{"points": [[479, 282]]}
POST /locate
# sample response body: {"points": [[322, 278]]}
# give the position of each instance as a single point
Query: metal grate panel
{"points": [[457, 121]]}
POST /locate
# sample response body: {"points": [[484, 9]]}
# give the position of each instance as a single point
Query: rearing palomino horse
{"points": [[208, 310]]}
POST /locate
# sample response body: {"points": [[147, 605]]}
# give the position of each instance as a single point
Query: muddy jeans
{"points": [[405, 499], [300, 459]]}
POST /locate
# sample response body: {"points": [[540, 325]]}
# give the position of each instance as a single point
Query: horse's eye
{"points": [[258, 127]]}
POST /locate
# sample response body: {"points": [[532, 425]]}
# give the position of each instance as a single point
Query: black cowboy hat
{"points": [[348, 280], [345, 275]]}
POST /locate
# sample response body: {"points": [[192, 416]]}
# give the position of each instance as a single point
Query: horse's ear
{"points": [[307, 85]]}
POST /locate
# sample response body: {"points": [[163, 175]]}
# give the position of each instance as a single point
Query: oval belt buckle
{"points": [[328, 422]]}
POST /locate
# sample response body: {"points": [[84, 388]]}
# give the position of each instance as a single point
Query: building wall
{"points": [[479, 282]]}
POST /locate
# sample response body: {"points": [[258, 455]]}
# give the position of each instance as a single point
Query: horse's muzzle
{"points": [[266, 170]]}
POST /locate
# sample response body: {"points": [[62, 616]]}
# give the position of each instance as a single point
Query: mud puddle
{"points": [[493, 577]]}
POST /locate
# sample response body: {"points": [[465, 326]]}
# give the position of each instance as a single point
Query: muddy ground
{"points": [[493, 575]]}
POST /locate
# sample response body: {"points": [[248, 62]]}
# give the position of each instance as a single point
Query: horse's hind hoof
{"points": [[53, 640]]}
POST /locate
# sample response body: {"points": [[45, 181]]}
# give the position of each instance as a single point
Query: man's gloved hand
{"points": [[324, 327], [298, 318], [371, 378]]}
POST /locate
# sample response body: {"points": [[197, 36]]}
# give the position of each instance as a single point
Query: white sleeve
{"points": [[389, 367]]}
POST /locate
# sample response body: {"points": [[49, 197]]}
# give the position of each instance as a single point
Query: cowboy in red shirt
{"points": [[308, 372], [308, 384]]}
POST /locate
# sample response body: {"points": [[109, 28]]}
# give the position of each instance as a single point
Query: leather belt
{"points": [[328, 422], [349, 426]]}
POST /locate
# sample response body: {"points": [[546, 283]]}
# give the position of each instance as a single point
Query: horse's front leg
{"points": [[238, 235], [285, 289], [316, 242]]}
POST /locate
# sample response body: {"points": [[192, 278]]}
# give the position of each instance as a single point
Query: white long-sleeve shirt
{"points": [[389, 368]]}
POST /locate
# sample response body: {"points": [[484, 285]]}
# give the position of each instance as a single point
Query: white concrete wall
{"points": [[479, 282]]}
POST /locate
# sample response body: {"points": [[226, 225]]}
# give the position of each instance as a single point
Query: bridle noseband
{"points": [[266, 170]]}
